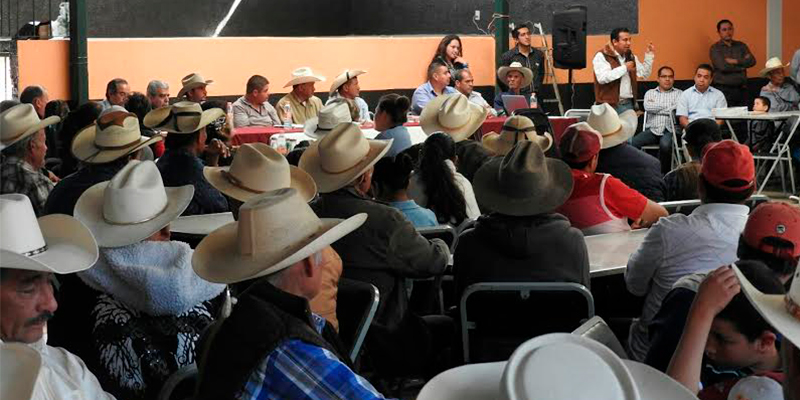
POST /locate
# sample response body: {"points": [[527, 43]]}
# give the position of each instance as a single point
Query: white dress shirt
{"points": [[605, 74]]}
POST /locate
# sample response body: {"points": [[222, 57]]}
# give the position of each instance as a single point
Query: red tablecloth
{"points": [[559, 125]]}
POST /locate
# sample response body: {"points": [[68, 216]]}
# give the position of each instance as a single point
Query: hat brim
{"points": [[329, 182], [84, 149], [493, 143], [305, 79], [342, 79], [159, 116], [89, 210], [429, 120], [765, 71], [527, 74], [311, 129], [628, 123], [192, 86], [54, 119], [21, 365], [772, 307], [71, 247], [299, 180], [546, 199], [215, 259]]}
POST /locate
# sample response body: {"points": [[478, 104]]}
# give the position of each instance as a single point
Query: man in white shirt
{"points": [[616, 70], [465, 84], [698, 101], [660, 104]]}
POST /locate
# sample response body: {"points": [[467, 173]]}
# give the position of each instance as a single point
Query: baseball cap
{"points": [[726, 161], [774, 220], [580, 142]]}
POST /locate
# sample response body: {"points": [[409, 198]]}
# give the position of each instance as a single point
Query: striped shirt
{"points": [[659, 106]]}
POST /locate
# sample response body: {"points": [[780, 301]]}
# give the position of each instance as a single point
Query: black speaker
{"points": [[569, 38]]}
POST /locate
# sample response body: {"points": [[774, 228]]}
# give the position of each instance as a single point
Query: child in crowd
{"points": [[761, 131]]}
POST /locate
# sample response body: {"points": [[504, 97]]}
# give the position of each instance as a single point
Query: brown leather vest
{"points": [[609, 93]]}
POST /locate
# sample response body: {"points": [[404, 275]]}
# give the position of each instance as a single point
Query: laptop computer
{"points": [[514, 102]]}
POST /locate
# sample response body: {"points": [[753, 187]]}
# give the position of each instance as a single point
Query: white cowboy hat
{"points": [[452, 114], [132, 206], [781, 311], [771, 65], [548, 367], [614, 128], [341, 156], [515, 129], [192, 81], [257, 168], [332, 114], [21, 365], [527, 74], [115, 134], [181, 117], [344, 77], [19, 122], [304, 75], [275, 230], [54, 243]]}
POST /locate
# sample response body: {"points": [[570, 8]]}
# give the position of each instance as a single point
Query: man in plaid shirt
{"points": [[660, 104]]}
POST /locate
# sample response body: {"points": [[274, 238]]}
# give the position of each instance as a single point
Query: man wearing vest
{"points": [[616, 70]]}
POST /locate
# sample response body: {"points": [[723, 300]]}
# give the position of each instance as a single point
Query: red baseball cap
{"points": [[774, 220], [728, 160], [580, 142]]}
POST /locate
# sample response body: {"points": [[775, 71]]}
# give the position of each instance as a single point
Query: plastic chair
{"points": [[597, 329], [356, 304], [687, 206], [445, 232], [179, 379], [678, 156], [580, 113]]}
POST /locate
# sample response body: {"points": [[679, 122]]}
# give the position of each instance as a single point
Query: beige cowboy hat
{"points": [[781, 311], [614, 128], [132, 206], [527, 74], [332, 114], [192, 81], [115, 134], [275, 230], [19, 122], [341, 156], [515, 129], [452, 114], [344, 77], [771, 65], [54, 243], [21, 365], [257, 168], [523, 182], [304, 75], [181, 117]]}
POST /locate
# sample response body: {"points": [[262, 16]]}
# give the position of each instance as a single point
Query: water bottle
{"points": [[534, 103], [229, 116], [287, 111]]}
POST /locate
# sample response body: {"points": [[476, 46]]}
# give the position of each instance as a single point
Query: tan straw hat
{"points": [[181, 117], [192, 81], [781, 311], [332, 114], [275, 230], [257, 168], [344, 77], [515, 129], [527, 74], [19, 122], [452, 114], [132, 206], [304, 75], [21, 365], [113, 135], [614, 128], [341, 156], [771, 65]]}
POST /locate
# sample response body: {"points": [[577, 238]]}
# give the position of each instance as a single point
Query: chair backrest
{"points": [[538, 117], [580, 113], [466, 224], [597, 329], [445, 232], [356, 304], [180, 385], [687, 206]]}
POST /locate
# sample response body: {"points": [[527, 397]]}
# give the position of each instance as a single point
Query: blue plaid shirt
{"points": [[298, 370]]}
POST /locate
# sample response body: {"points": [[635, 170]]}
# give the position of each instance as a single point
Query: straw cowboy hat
{"points": [[452, 114], [614, 128], [332, 114], [515, 129], [304, 75], [54, 243], [344, 77], [341, 156], [275, 230], [192, 81], [523, 182], [20, 365], [527, 74], [781, 311], [21, 121], [114, 135], [132, 206], [771, 65], [548, 367], [181, 117], [257, 168]]}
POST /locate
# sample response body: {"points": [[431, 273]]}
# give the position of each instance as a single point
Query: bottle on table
{"points": [[287, 113], [534, 102]]}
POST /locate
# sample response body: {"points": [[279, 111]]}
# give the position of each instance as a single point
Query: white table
{"points": [[200, 224], [416, 133], [609, 253]]}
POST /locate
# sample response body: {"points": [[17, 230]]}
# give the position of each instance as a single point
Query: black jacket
{"points": [[635, 168]]}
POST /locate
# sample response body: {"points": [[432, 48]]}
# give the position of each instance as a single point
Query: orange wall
{"points": [[791, 29]]}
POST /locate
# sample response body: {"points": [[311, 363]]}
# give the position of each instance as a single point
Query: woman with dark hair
{"points": [[390, 184], [75, 121], [450, 53], [437, 185], [390, 115]]}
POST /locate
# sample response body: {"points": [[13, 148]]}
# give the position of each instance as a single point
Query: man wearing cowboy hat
{"points": [[117, 92], [515, 129], [300, 102], [438, 79], [271, 344], [253, 109], [22, 140], [104, 147], [616, 70], [515, 76], [193, 86], [782, 91], [731, 59], [31, 252], [346, 86]]}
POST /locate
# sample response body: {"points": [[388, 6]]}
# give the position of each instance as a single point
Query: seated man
{"points": [[681, 183], [300, 104], [117, 92], [465, 83], [158, 94], [782, 91], [37, 97], [438, 79], [22, 140], [679, 245], [600, 203], [698, 101], [516, 77], [346, 86], [272, 345], [30, 253], [194, 88], [253, 109], [660, 103]]}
